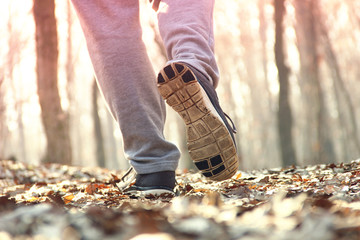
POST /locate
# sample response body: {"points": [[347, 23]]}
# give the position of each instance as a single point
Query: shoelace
{"points": [[233, 128], [126, 179]]}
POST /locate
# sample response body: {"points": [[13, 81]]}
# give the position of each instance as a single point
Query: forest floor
{"points": [[65, 202]]}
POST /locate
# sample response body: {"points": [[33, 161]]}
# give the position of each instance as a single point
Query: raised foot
{"points": [[209, 142]]}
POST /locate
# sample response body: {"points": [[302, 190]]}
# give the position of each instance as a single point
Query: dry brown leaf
{"points": [[68, 198]]}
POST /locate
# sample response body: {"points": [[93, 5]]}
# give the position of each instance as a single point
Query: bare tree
{"points": [[264, 56], [353, 8], [16, 44], [74, 111], [55, 120], [3, 128], [270, 120], [69, 51], [285, 122], [260, 103], [319, 147], [345, 105]]}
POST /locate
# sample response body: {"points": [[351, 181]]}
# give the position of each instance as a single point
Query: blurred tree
{"points": [[260, 107], [354, 9], [285, 122], [74, 111], [3, 127], [15, 46], [55, 120], [69, 68], [270, 119], [318, 146], [345, 106], [264, 56]]}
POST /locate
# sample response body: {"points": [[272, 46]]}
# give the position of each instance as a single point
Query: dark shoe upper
{"points": [[161, 181], [157, 180]]}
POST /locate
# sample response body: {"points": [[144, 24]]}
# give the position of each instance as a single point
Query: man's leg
{"points": [[186, 28], [188, 84], [127, 80]]}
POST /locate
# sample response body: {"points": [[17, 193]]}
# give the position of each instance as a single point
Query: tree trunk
{"points": [[264, 58], [353, 7], [318, 144], [270, 107], [284, 113], [13, 58], [99, 140], [55, 120], [3, 127], [260, 107], [346, 109], [74, 114], [69, 65]]}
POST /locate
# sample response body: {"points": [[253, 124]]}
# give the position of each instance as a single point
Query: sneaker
{"points": [[210, 138], [160, 184]]}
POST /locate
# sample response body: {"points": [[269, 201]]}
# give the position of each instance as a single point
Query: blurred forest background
{"points": [[289, 79]]}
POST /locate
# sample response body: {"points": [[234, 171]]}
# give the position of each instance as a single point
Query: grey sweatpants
{"points": [[125, 74]]}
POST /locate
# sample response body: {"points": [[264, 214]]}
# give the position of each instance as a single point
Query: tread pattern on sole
{"points": [[209, 143]]}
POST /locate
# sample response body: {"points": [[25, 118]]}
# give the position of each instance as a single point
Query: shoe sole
{"points": [[209, 142], [153, 193]]}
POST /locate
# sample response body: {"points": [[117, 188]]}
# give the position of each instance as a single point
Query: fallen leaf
{"points": [[68, 198]]}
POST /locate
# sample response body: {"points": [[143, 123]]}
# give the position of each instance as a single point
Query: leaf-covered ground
{"points": [[62, 202]]}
